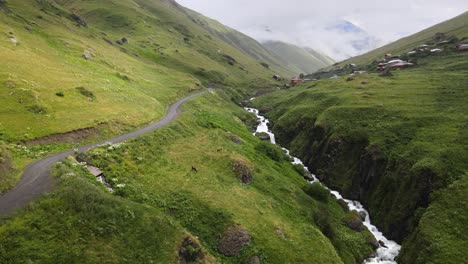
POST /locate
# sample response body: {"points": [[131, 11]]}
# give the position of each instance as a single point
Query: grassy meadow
{"points": [[154, 173], [48, 87], [412, 127]]}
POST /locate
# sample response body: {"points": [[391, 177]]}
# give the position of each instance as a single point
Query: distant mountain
{"points": [[454, 27], [355, 39], [305, 60]]}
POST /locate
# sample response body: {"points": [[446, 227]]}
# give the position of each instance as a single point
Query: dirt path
{"points": [[36, 178]]}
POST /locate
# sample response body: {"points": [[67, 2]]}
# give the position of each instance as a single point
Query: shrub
{"points": [[60, 94], [272, 151], [300, 169], [37, 109], [265, 65], [123, 77], [317, 191], [83, 91], [323, 220]]}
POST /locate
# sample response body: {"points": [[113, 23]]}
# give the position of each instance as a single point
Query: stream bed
{"points": [[389, 250]]}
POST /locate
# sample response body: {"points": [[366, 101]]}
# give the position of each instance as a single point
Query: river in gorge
{"points": [[389, 250]]}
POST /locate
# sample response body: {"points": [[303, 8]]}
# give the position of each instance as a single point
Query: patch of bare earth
{"points": [[74, 136]]}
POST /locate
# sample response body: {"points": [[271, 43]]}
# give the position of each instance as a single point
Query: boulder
{"points": [[382, 244], [350, 79], [14, 40], [254, 260], [87, 54], [365, 82], [122, 41], [78, 19], [233, 240], [363, 215], [237, 140], [280, 233], [242, 171], [354, 222]]}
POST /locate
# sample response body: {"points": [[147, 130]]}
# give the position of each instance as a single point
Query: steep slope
{"points": [[396, 142], [202, 190], [243, 42], [305, 60], [64, 72], [453, 27]]}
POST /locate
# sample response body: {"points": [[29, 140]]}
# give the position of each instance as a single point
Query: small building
{"points": [[358, 72], [96, 172], [436, 50], [296, 81], [462, 47], [424, 46], [401, 65], [395, 61], [411, 52]]}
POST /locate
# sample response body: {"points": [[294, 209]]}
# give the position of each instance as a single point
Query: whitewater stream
{"points": [[388, 250]]}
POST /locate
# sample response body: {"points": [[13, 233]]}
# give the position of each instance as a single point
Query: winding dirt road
{"points": [[36, 178]]}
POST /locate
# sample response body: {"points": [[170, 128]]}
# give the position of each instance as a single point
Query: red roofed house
{"points": [[296, 81]]}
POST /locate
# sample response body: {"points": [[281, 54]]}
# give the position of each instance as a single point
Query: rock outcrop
{"points": [[242, 171], [233, 241]]}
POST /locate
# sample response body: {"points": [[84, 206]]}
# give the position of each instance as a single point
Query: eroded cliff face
{"points": [[395, 191]]}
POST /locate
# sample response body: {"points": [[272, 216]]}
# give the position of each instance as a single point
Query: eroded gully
{"points": [[389, 250]]}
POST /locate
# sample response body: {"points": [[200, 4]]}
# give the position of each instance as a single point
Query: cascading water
{"points": [[388, 250]]}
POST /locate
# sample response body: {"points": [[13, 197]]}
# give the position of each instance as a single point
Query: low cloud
{"points": [[319, 24]]}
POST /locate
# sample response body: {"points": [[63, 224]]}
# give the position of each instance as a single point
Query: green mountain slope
{"points": [[77, 71], [454, 27], [244, 43], [305, 60], [395, 141], [48, 87]]}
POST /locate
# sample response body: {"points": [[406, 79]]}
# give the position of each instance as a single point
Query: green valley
{"points": [[83, 84], [201, 190], [395, 141]]}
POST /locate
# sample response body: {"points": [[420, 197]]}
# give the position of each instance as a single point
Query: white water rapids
{"points": [[389, 250]]}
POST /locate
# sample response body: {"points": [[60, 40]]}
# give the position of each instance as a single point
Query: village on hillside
{"points": [[440, 44]]}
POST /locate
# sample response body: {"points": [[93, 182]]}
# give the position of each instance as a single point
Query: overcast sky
{"points": [[319, 24]]}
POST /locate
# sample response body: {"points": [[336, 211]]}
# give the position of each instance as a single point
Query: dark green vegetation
{"points": [[397, 143], [76, 72], [160, 201], [305, 60]]}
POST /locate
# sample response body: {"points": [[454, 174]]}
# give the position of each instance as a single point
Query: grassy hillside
{"points": [[305, 60], [76, 71], [395, 142], [454, 27], [244, 43], [159, 201], [47, 86]]}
